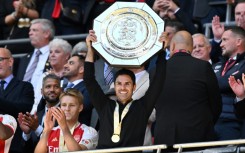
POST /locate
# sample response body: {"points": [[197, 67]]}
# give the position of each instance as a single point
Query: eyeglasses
{"points": [[3, 58]]}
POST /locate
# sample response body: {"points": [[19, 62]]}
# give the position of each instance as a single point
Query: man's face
{"points": [[228, 44], [37, 35], [171, 31], [51, 91], [72, 67], [57, 56], [124, 88], [71, 107], [166, 12], [201, 50], [240, 15], [6, 64]]}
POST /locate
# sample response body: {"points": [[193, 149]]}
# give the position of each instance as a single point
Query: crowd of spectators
{"points": [[62, 96]]}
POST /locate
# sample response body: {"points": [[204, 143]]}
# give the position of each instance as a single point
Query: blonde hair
{"points": [[73, 93]]}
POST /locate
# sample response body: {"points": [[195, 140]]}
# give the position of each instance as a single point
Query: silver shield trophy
{"points": [[128, 33]]}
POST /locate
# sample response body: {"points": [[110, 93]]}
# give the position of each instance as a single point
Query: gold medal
{"points": [[115, 138]]}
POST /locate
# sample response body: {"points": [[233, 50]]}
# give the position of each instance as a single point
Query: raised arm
{"points": [[96, 94], [48, 125], [90, 38]]}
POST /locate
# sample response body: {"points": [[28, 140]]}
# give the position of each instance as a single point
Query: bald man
{"points": [[15, 95], [190, 102]]}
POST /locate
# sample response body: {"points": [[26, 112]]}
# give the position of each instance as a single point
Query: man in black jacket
{"points": [[129, 116], [190, 103]]}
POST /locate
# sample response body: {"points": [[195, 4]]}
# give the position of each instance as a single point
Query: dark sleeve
{"points": [[240, 109], [86, 100], [186, 20], [223, 81], [216, 51], [4, 11], [20, 100], [29, 145], [156, 85], [214, 95], [96, 94]]}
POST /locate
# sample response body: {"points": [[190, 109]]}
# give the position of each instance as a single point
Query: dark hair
{"points": [[51, 76], [237, 31], [80, 57], [124, 71], [175, 24]]}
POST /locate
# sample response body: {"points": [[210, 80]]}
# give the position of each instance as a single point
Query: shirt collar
{"points": [[43, 49], [77, 81], [9, 78]]}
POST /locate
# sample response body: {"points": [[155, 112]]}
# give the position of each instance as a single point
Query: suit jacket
{"points": [[190, 102], [85, 115], [227, 94], [18, 97], [239, 109], [23, 64], [186, 20], [30, 145], [99, 74]]}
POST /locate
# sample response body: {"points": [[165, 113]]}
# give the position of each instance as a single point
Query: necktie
{"points": [[228, 65], [70, 85], [32, 68], [108, 75], [2, 87]]}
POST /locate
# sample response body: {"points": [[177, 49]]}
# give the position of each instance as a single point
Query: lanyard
{"points": [[118, 124]]}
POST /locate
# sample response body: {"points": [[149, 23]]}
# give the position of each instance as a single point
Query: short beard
{"points": [[51, 101]]}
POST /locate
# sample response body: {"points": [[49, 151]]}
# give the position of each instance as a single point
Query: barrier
{"points": [[180, 147], [227, 22], [27, 40], [125, 149]]}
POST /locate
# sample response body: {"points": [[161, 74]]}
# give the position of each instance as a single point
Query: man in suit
{"points": [[229, 126], [100, 67], [201, 47], [190, 103], [15, 96], [32, 125], [33, 65], [218, 29], [73, 72]]}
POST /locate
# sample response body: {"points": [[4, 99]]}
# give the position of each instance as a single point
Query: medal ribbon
{"points": [[117, 123]]}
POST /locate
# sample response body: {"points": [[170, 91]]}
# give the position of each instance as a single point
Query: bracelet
{"points": [[14, 15]]}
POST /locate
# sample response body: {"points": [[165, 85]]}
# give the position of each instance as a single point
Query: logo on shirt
{"points": [[54, 139]]}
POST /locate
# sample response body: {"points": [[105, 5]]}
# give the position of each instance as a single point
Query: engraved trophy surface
{"points": [[127, 34]]}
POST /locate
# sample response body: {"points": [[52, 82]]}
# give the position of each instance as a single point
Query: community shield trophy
{"points": [[128, 33]]}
